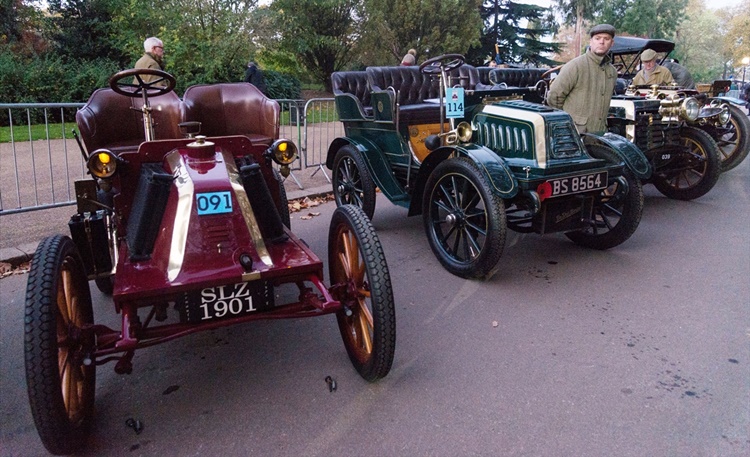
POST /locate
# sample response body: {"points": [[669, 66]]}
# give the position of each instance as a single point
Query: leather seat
{"points": [[233, 109], [115, 122], [516, 77], [412, 89], [354, 84]]}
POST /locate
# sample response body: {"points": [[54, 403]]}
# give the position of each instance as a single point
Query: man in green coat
{"points": [[585, 85], [153, 59]]}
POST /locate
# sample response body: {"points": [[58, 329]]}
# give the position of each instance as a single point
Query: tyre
{"points": [[617, 209], [352, 182], [283, 203], [361, 281], [105, 285], [692, 172], [734, 145], [464, 221], [58, 348]]}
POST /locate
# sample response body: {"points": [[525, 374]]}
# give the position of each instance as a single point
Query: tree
{"points": [[431, 27], [736, 41], [653, 18], [81, 30], [515, 31], [575, 12], [320, 33], [696, 41]]}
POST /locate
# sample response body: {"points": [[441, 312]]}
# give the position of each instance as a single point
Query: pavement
{"points": [[21, 233]]}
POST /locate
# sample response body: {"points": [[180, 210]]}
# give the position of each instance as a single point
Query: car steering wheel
{"points": [[445, 62], [118, 82]]}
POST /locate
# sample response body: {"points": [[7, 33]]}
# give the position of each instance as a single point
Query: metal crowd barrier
{"points": [[39, 174]]}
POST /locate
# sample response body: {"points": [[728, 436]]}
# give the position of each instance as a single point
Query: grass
{"points": [[38, 132]]}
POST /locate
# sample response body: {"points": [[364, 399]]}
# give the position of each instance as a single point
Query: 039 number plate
{"points": [[576, 184], [227, 301]]}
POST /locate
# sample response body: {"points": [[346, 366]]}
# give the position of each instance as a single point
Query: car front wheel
{"points": [[58, 346], [694, 171], [464, 221]]}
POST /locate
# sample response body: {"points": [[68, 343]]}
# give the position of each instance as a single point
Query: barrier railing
{"points": [[39, 174]]}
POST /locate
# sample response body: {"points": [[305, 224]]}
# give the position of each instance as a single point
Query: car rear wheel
{"points": [[734, 144], [352, 183], [361, 281], [617, 209], [694, 171], [465, 222], [58, 348]]}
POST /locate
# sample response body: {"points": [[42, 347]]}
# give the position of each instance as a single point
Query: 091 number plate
{"points": [[213, 203], [222, 302]]}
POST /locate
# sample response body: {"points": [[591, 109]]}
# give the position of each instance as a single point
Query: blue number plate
{"points": [[214, 203]]}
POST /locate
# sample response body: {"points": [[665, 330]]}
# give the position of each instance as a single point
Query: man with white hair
{"points": [[652, 73], [153, 59]]}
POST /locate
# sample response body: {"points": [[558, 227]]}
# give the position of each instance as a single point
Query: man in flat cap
{"points": [[585, 85], [652, 73]]}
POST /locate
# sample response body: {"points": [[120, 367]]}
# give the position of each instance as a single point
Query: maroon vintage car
{"points": [[186, 235]]}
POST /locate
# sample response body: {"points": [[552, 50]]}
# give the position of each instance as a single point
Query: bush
{"points": [[281, 85]]}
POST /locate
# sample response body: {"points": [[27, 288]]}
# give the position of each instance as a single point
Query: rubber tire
{"points": [[352, 182], [105, 285], [741, 125], [629, 207], [283, 203], [349, 224], [59, 434], [706, 147], [486, 263]]}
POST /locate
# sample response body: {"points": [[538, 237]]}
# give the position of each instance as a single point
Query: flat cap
{"points": [[648, 55], [602, 28]]}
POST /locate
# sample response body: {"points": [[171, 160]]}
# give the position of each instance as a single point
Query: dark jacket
{"points": [[254, 76]]}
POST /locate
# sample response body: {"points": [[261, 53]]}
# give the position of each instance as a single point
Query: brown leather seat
{"points": [[113, 121], [233, 109]]}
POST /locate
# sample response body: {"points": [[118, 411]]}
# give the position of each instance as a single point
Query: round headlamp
{"points": [[690, 109], [283, 152], [102, 163], [725, 115]]}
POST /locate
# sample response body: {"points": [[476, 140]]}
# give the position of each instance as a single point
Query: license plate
{"points": [[213, 203], [576, 184], [222, 302]]}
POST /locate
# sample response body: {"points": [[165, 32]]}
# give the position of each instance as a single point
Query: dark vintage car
{"points": [[720, 116], [186, 235], [475, 159]]}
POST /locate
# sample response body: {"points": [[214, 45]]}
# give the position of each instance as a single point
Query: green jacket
{"points": [[584, 89], [660, 76]]}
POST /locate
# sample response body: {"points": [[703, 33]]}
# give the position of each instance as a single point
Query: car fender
{"points": [[501, 179], [634, 158], [733, 100]]}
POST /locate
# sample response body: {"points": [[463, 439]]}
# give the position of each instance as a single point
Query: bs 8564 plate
{"points": [[227, 301], [576, 184]]}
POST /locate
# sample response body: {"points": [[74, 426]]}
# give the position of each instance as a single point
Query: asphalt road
{"points": [[642, 350]]}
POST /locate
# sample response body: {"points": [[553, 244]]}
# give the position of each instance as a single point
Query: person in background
{"points": [[410, 58], [153, 58], [254, 76], [680, 74], [652, 73], [585, 85]]}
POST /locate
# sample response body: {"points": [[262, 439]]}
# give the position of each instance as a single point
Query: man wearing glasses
{"points": [[153, 58]]}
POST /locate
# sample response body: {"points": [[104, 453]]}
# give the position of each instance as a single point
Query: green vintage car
{"points": [[475, 160]]}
